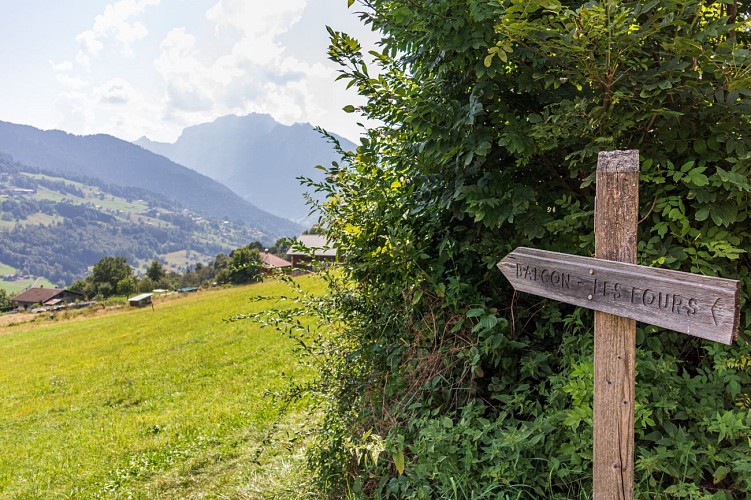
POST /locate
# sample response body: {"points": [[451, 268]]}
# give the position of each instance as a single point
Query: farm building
{"points": [[46, 297], [270, 263], [309, 248], [142, 300]]}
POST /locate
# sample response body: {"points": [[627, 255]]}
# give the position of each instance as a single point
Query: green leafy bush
{"points": [[436, 379]]}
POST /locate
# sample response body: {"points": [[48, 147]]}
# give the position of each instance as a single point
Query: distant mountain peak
{"points": [[257, 157]]}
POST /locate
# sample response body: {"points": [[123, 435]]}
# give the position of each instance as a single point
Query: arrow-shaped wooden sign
{"points": [[698, 305]]}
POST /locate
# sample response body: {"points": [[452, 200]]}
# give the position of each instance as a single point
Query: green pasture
{"points": [[7, 270], [37, 219], [183, 258], [56, 179], [18, 286], [91, 195], [141, 403]]}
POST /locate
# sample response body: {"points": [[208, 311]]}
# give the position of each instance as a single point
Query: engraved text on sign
{"points": [[698, 305]]}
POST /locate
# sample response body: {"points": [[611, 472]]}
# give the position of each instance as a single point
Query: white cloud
{"points": [[253, 74], [114, 107], [116, 21], [116, 91], [215, 57], [62, 66], [256, 18]]}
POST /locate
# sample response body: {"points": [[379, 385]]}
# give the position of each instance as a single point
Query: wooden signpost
{"points": [[689, 303], [622, 293]]}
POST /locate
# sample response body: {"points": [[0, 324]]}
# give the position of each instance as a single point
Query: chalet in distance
{"points": [[45, 297], [271, 263], [310, 248]]}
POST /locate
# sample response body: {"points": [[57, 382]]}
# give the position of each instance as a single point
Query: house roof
{"points": [[272, 261], [307, 242], [34, 295], [139, 298]]}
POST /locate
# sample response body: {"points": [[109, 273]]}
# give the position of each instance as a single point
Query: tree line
{"points": [[113, 276]]}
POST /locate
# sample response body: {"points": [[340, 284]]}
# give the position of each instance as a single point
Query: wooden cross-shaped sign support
{"points": [[622, 293]]}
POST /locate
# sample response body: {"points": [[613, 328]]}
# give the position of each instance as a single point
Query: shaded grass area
{"points": [[147, 403]]}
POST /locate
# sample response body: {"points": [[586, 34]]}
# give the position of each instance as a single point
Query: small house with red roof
{"points": [[270, 263]]}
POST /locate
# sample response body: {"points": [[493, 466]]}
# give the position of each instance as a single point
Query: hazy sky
{"points": [[152, 67]]}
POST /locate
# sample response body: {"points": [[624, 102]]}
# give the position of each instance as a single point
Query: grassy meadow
{"points": [[17, 286], [167, 403]]}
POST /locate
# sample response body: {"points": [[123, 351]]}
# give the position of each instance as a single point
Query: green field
{"points": [[6, 270], [18, 286], [145, 403]]}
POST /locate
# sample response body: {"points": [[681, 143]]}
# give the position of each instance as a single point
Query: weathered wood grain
{"points": [[616, 216], [702, 306]]}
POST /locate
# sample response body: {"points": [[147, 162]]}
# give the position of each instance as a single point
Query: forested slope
{"points": [[114, 161], [58, 227]]}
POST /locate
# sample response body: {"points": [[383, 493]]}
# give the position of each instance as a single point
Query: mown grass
{"points": [[169, 403]]}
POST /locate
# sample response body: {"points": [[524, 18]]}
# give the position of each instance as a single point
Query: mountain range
{"points": [[258, 158], [58, 225], [68, 200], [122, 163]]}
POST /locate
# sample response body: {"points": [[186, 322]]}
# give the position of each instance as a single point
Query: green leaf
{"points": [[399, 461], [698, 179], [702, 214], [474, 313], [721, 473]]}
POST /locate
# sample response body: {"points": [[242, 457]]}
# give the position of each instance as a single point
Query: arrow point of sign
{"points": [[505, 266]]}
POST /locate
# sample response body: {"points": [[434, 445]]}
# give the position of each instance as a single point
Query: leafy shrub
{"points": [[436, 379]]}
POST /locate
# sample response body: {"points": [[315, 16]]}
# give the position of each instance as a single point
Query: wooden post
{"points": [[621, 293], [616, 216]]}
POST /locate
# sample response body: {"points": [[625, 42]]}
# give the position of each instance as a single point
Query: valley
{"points": [[56, 226], [66, 201]]}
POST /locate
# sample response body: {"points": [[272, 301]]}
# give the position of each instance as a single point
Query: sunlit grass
{"points": [[5, 269], [18, 286], [143, 402]]}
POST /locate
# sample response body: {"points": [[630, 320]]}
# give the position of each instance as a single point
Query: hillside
{"points": [[163, 403], [257, 157], [57, 226], [121, 163]]}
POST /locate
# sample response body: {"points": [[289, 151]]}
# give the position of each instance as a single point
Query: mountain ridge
{"points": [[257, 157], [122, 163], [59, 225]]}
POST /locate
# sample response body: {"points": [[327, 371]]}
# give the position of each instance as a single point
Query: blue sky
{"points": [[135, 68]]}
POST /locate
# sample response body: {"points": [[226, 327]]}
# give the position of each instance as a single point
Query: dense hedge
{"points": [[436, 379]]}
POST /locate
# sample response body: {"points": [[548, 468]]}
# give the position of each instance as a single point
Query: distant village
{"points": [[307, 253]]}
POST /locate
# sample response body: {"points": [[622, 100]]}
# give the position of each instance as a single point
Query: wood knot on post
{"points": [[618, 161]]}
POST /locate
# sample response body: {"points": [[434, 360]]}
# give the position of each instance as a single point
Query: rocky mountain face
{"points": [[256, 157]]}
